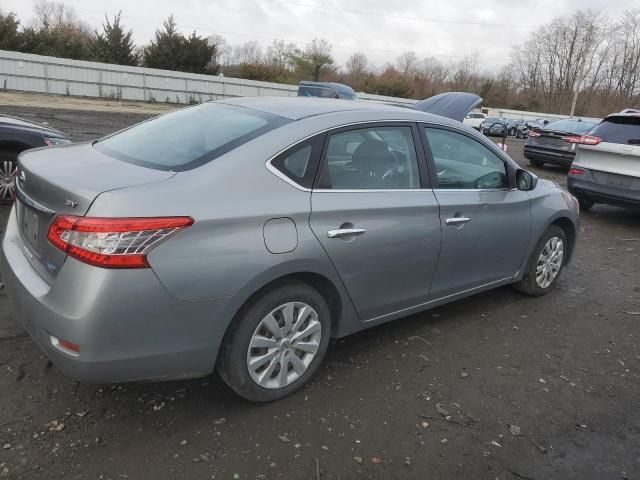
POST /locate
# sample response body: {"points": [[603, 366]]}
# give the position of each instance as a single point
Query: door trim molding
{"points": [[439, 299]]}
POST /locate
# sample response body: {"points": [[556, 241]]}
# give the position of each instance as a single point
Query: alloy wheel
{"points": [[549, 262], [7, 180], [283, 345]]}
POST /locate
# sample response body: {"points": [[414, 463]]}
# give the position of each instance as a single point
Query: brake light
{"points": [[576, 171], [112, 242], [533, 133], [583, 140]]}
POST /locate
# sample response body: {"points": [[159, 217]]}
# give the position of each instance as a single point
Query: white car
{"points": [[474, 119]]}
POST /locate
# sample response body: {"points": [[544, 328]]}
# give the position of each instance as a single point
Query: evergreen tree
{"points": [[114, 45], [9, 35], [166, 51], [197, 54]]}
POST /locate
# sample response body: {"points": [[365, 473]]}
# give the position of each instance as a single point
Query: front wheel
{"points": [[276, 343], [546, 263]]}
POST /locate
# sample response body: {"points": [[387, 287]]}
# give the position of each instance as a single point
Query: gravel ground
{"points": [[534, 388]]}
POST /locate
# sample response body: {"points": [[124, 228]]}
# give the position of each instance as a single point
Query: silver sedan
{"points": [[241, 235]]}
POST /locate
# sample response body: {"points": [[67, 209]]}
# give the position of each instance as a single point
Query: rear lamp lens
{"points": [[113, 242]]}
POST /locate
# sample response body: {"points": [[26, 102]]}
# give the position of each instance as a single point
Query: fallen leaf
{"points": [[284, 438], [376, 460], [359, 460], [515, 430]]}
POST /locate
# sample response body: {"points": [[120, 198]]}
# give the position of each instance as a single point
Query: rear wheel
{"points": [[585, 203], [276, 343], [546, 263], [8, 163]]}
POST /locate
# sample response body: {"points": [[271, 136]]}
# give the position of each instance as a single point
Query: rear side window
{"points": [[300, 162], [625, 130], [371, 158], [189, 137]]}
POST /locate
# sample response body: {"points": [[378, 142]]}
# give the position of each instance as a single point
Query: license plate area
{"points": [[29, 222]]}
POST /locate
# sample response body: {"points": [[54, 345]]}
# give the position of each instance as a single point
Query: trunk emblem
{"points": [[626, 148], [71, 203]]}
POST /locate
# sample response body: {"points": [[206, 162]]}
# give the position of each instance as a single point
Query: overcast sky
{"points": [[383, 29]]}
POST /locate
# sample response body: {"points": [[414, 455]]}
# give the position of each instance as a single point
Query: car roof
{"points": [[297, 108]]}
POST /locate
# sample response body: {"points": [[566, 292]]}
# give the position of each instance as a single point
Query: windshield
{"points": [[570, 126], [189, 137]]}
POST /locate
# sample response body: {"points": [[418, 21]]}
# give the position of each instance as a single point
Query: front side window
{"points": [[463, 163], [189, 137], [371, 158]]}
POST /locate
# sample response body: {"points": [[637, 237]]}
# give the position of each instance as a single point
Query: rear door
{"points": [[485, 221], [376, 217]]}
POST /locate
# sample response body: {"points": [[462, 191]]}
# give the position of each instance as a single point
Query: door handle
{"points": [[345, 232], [457, 220]]}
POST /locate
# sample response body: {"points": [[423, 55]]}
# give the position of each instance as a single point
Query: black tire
{"points": [[536, 163], [528, 284], [585, 203], [232, 360]]}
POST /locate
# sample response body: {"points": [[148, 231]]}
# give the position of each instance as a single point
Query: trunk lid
{"points": [[454, 105], [553, 140], [66, 180]]}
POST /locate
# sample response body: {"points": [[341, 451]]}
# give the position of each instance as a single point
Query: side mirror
{"points": [[525, 180]]}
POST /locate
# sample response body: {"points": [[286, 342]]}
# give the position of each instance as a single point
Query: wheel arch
{"points": [[317, 275], [570, 230]]}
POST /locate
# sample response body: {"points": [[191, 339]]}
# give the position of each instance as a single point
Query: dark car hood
{"points": [[454, 105], [19, 123]]}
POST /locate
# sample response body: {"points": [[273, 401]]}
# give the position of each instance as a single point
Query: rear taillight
{"points": [[112, 242], [533, 133], [583, 139], [576, 171]]}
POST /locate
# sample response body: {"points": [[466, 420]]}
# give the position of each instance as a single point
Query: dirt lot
{"points": [[562, 371]]}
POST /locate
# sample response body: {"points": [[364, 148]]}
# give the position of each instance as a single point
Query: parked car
{"points": [[17, 135], [240, 235], [549, 143], [512, 125], [326, 90], [606, 168], [493, 127], [474, 119], [523, 129]]}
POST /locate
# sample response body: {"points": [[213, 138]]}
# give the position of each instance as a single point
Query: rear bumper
{"points": [[549, 156], [584, 186], [127, 325]]}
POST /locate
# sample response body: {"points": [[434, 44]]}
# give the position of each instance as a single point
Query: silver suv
{"points": [[606, 168]]}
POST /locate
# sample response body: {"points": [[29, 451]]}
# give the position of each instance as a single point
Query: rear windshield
{"points": [[493, 120], [570, 126], [624, 130], [189, 137], [322, 92]]}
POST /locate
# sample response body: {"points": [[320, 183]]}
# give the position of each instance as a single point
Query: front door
{"points": [[486, 224], [375, 218]]}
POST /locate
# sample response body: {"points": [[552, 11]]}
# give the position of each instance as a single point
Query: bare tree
{"points": [[357, 68], [407, 63]]}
